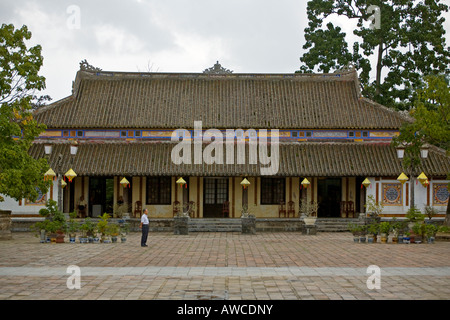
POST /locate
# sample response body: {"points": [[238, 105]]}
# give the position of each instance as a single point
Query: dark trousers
{"points": [[144, 234]]}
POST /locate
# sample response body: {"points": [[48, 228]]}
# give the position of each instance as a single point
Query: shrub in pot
{"points": [[385, 228]]}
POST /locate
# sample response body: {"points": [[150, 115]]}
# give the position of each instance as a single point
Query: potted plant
{"points": [[355, 230], [419, 232], [374, 209], [414, 215], [113, 231], [395, 227], [309, 212], [372, 232], [362, 233], [72, 227], [407, 237], [56, 227], [124, 228], [102, 227], [88, 229], [431, 230], [385, 228], [430, 212]]}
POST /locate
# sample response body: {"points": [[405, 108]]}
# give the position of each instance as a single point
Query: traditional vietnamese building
{"points": [[328, 136]]}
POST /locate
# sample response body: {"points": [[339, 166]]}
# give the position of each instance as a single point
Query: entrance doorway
{"points": [[215, 193], [101, 196], [329, 197]]}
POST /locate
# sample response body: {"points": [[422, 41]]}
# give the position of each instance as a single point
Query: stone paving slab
{"points": [[224, 266]]}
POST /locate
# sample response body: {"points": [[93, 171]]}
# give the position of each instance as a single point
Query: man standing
{"points": [[144, 227]]}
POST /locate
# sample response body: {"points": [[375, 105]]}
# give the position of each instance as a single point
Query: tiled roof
{"points": [[296, 159], [164, 100]]}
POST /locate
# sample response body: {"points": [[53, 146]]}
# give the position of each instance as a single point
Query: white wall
{"points": [[21, 208], [422, 196]]}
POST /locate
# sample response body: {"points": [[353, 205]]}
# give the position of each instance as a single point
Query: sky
{"points": [[246, 36]]}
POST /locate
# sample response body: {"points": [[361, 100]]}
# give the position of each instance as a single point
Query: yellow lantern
{"points": [[63, 183], [365, 183], [402, 178], [425, 183], [50, 174], [124, 183], [245, 183], [422, 177], [70, 175], [181, 182], [305, 183]]}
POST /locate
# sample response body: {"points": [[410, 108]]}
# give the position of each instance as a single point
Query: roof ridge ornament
{"points": [[217, 69], [85, 66]]}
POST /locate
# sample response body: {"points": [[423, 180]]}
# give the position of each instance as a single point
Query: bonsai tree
{"points": [[431, 230], [373, 208], [414, 215], [309, 209], [419, 229], [430, 212], [56, 217]]}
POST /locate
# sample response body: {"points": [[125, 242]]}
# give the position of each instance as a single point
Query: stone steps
{"points": [[215, 225], [336, 224]]}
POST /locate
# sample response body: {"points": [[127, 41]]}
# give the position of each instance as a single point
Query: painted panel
{"points": [[392, 194], [440, 194]]}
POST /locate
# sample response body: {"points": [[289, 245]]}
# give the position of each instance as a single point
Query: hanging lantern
{"points": [[245, 183], [425, 183], [70, 175], [402, 178], [50, 174], [181, 182], [422, 177], [124, 183], [365, 183], [63, 183], [305, 183]]}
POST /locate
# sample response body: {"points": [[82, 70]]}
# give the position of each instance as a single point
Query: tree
{"points": [[408, 44], [21, 176], [431, 123]]}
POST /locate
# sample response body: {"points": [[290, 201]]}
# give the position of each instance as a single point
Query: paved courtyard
{"points": [[210, 266]]}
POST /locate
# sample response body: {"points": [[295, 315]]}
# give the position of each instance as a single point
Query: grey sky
{"points": [[259, 36]]}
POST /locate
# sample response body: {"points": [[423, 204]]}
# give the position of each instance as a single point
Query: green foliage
{"points": [[88, 227], [373, 208], [355, 229], [430, 230], [431, 120], [414, 215], [410, 43], [102, 225], [54, 219], [21, 176], [385, 227], [419, 228], [373, 228], [112, 229]]}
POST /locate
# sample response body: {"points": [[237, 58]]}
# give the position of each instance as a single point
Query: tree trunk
{"points": [[379, 67]]}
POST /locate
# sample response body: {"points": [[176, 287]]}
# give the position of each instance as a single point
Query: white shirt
{"points": [[144, 219]]}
